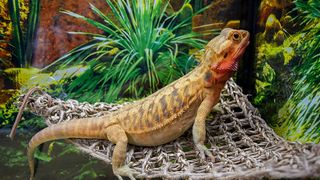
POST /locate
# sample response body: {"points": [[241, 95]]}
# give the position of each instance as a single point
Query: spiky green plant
{"points": [[309, 11], [301, 113], [197, 4], [22, 42], [138, 53]]}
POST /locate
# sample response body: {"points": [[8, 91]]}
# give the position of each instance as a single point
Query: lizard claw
{"points": [[203, 150], [126, 171]]}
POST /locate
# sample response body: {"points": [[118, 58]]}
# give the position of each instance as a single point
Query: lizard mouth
{"points": [[231, 64]]}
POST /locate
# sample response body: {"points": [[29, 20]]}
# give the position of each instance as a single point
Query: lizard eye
{"points": [[236, 36]]}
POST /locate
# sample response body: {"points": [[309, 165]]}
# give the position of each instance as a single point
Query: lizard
{"points": [[162, 116]]}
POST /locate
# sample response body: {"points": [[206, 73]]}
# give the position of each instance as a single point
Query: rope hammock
{"points": [[241, 141]]}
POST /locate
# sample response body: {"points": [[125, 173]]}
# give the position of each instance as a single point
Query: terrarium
{"points": [[160, 89]]}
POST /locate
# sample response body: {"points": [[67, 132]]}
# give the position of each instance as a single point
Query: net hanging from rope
{"points": [[243, 144]]}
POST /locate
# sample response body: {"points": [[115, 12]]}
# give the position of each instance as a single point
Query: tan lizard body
{"points": [[164, 115]]}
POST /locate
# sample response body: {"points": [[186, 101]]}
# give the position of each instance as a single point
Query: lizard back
{"points": [[162, 107]]}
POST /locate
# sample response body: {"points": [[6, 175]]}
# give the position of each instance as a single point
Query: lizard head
{"points": [[223, 52]]}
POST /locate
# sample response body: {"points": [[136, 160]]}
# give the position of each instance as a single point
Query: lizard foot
{"points": [[203, 150], [125, 171]]}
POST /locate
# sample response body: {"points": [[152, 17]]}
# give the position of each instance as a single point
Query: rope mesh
{"points": [[243, 144]]}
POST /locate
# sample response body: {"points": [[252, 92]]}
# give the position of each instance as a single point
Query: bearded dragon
{"points": [[164, 115]]}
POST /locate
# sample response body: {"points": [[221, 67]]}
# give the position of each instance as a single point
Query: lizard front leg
{"points": [[117, 135], [199, 129]]}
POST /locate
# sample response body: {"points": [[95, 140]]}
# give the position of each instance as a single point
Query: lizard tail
{"points": [[80, 128]]}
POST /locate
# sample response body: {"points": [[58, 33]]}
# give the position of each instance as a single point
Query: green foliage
{"points": [[31, 122], [13, 157], [22, 42], [261, 88], [150, 52], [20, 76], [301, 113], [197, 4], [47, 156], [67, 149], [17, 40], [288, 54], [87, 171], [32, 26], [268, 60], [42, 156], [288, 76], [309, 11], [8, 111]]}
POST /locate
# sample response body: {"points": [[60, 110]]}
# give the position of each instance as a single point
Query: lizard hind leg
{"points": [[117, 135]]}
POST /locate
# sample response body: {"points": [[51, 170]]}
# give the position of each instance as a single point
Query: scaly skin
{"points": [[164, 115]]}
